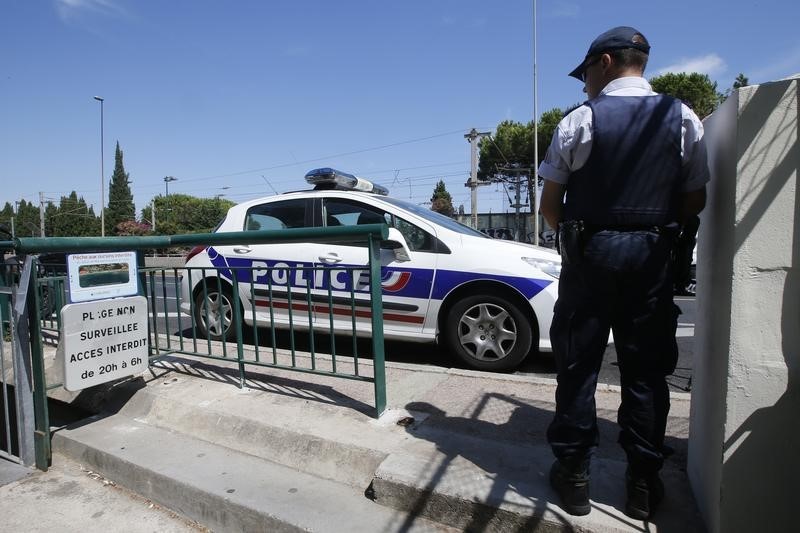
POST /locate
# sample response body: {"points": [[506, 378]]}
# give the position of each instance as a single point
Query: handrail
{"points": [[107, 244]]}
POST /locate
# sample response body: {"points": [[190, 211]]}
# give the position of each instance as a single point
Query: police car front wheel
{"points": [[488, 332]]}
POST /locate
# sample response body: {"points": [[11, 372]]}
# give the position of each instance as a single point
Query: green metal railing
{"points": [[310, 309]]}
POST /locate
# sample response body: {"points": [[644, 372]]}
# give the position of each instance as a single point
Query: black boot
{"points": [[644, 495], [570, 479]]}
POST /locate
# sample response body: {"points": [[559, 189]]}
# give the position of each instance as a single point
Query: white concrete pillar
{"points": [[744, 444]]}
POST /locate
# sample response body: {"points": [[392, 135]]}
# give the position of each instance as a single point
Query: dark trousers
{"points": [[624, 284]]}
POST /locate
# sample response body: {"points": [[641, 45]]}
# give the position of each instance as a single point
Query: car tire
{"points": [[488, 332], [214, 316]]}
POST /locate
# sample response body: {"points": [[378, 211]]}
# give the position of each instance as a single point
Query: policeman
{"points": [[622, 173]]}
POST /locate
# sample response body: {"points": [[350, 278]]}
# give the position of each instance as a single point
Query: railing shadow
{"points": [[266, 381], [521, 482]]}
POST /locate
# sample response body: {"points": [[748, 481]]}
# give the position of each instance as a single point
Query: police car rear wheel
{"points": [[488, 333], [214, 314]]}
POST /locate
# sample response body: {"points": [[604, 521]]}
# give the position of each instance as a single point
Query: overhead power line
{"points": [[343, 154]]}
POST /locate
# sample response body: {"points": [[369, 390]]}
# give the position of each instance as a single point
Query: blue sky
{"points": [[241, 98]]}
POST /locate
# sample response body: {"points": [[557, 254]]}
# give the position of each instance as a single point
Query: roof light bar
{"points": [[331, 178]]}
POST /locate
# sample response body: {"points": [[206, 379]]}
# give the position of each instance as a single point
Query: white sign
{"points": [[101, 275], [103, 341]]}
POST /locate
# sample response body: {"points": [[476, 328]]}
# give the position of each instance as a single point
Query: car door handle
{"points": [[242, 249], [330, 259]]}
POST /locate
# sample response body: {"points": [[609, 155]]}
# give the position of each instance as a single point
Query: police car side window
{"points": [[341, 212], [276, 215], [338, 212], [418, 239], [345, 213]]}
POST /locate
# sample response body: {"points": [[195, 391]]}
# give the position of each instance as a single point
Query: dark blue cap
{"points": [[614, 39]]}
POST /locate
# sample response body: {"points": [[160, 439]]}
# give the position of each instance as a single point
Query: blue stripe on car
{"points": [[419, 286]]}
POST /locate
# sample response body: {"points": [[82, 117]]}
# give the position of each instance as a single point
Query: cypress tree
{"points": [[120, 200]]}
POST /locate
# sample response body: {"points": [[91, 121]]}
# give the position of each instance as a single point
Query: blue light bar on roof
{"points": [[330, 177]]}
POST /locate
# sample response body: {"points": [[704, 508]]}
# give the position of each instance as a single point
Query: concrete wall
{"points": [[744, 447]]}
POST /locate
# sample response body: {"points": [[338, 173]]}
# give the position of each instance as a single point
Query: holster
{"points": [[571, 241]]}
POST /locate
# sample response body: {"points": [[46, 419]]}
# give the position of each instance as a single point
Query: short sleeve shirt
{"points": [[572, 140]]}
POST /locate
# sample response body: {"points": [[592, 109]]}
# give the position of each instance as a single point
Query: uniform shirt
{"points": [[572, 140]]}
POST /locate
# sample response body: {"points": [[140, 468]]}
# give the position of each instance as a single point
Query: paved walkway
{"points": [[456, 449], [69, 497]]}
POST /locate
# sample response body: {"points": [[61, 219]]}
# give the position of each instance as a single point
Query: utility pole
{"points": [[472, 137], [16, 214], [41, 214], [519, 171], [167, 179]]}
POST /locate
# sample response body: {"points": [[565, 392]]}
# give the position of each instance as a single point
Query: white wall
{"points": [[744, 445]]}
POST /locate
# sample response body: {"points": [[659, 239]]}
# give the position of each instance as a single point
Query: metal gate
{"points": [[27, 312], [24, 436]]}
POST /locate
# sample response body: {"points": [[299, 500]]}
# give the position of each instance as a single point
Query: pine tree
{"points": [[120, 200], [441, 201], [740, 81]]}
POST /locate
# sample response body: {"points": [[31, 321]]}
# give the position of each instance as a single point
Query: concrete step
{"points": [[280, 434], [471, 456], [220, 488]]}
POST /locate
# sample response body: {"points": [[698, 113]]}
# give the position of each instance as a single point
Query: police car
{"points": [[489, 301]]}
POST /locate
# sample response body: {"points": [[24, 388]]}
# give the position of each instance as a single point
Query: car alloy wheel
{"points": [[214, 315], [488, 333]]}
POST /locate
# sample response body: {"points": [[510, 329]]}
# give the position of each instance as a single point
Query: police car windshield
{"points": [[434, 217]]}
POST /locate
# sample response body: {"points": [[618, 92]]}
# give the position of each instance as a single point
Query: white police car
{"points": [[489, 301]]}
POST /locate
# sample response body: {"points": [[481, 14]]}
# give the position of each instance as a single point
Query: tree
{"points": [[509, 154], [120, 200], [740, 81], [695, 90], [181, 213], [548, 123], [6, 214], [50, 219], [441, 201], [27, 220], [74, 218]]}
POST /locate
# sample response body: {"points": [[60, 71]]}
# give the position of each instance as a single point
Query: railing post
{"points": [[236, 321], [23, 382], [24, 379], [41, 436], [376, 299]]}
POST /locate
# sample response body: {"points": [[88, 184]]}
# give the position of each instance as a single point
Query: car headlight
{"points": [[551, 268]]}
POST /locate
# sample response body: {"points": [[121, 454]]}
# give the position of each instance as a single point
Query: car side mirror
{"points": [[397, 243]]}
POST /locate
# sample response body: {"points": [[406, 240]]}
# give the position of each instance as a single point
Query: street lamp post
{"points": [[102, 174], [536, 200], [167, 179]]}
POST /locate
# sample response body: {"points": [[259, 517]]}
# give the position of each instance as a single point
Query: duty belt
{"points": [[595, 228]]}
